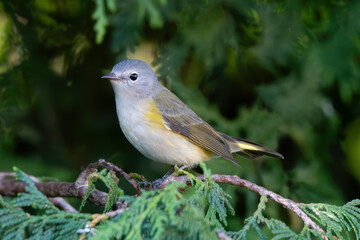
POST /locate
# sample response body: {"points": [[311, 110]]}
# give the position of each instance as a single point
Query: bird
{"points": [[163, 128]]}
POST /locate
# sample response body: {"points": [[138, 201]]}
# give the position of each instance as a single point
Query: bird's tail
{"points": [[249, 149]]}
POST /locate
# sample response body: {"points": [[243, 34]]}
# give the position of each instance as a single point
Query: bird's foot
{"points": [[174, 170], [155, 184], [144, 184]]}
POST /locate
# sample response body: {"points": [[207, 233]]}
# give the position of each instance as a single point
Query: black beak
{"points": [[111, 76]]}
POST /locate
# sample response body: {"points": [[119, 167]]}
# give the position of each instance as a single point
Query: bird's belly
{"points": [[148, 134]]}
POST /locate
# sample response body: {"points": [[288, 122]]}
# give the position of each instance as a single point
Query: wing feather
{"points": [[182, 120]]}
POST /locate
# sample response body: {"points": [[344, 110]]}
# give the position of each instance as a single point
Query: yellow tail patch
{"points": [[247, 146]]}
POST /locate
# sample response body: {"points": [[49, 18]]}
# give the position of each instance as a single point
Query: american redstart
{"points": [[163, 128]]}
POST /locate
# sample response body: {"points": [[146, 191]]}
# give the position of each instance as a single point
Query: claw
{"points": [[144, 184], [158, 182], [155, 184], [170, 173]]}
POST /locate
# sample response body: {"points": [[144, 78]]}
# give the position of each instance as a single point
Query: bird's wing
{"points": [[181, 119]]}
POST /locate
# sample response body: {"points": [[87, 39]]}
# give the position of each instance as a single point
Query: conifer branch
{"points": [[62, 204], [11, 187], [84, 175], [59, 202], [237, 181], [222, 236]]}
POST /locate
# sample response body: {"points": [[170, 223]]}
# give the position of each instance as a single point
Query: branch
{"points": [[236, 181], [83, 177], [222, 236], [11, 187], [57, 201], [62, 204]]}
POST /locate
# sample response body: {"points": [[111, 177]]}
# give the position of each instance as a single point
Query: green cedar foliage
{"points": [[164, 214], [278, 229], [110, 182], [32, 216], [340, 222], [100, 18], [210, 197], [159, 214]]}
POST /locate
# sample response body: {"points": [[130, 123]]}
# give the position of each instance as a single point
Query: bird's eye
{"points": [[133, 76]]}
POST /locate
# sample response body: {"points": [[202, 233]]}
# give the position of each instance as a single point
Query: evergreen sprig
{"points": [[341, 221], [110, 180], [158, 214], [211, 197], [32, 197], [31, 215], [164, 214], [99, 15]]}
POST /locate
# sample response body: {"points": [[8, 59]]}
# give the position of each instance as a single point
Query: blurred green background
{"points": [[285, 74]]}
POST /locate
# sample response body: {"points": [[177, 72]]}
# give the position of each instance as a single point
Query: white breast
{"points": [[155, 141]]}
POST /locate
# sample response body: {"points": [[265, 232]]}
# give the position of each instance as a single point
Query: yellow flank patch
{"points": [[153, 115], [247, 146], [170, 138]]}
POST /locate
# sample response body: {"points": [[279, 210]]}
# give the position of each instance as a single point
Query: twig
{"points": [[116, 212], [119, 171], [62, 204], [222, 236], [83, 177], [11, 187], [235, 180], [57, 201]]}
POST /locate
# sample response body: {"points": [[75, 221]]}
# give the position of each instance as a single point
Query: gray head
{"points": [[133, 79]]}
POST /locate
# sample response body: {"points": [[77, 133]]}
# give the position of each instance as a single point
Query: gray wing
{"points": [[181, 119]]}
